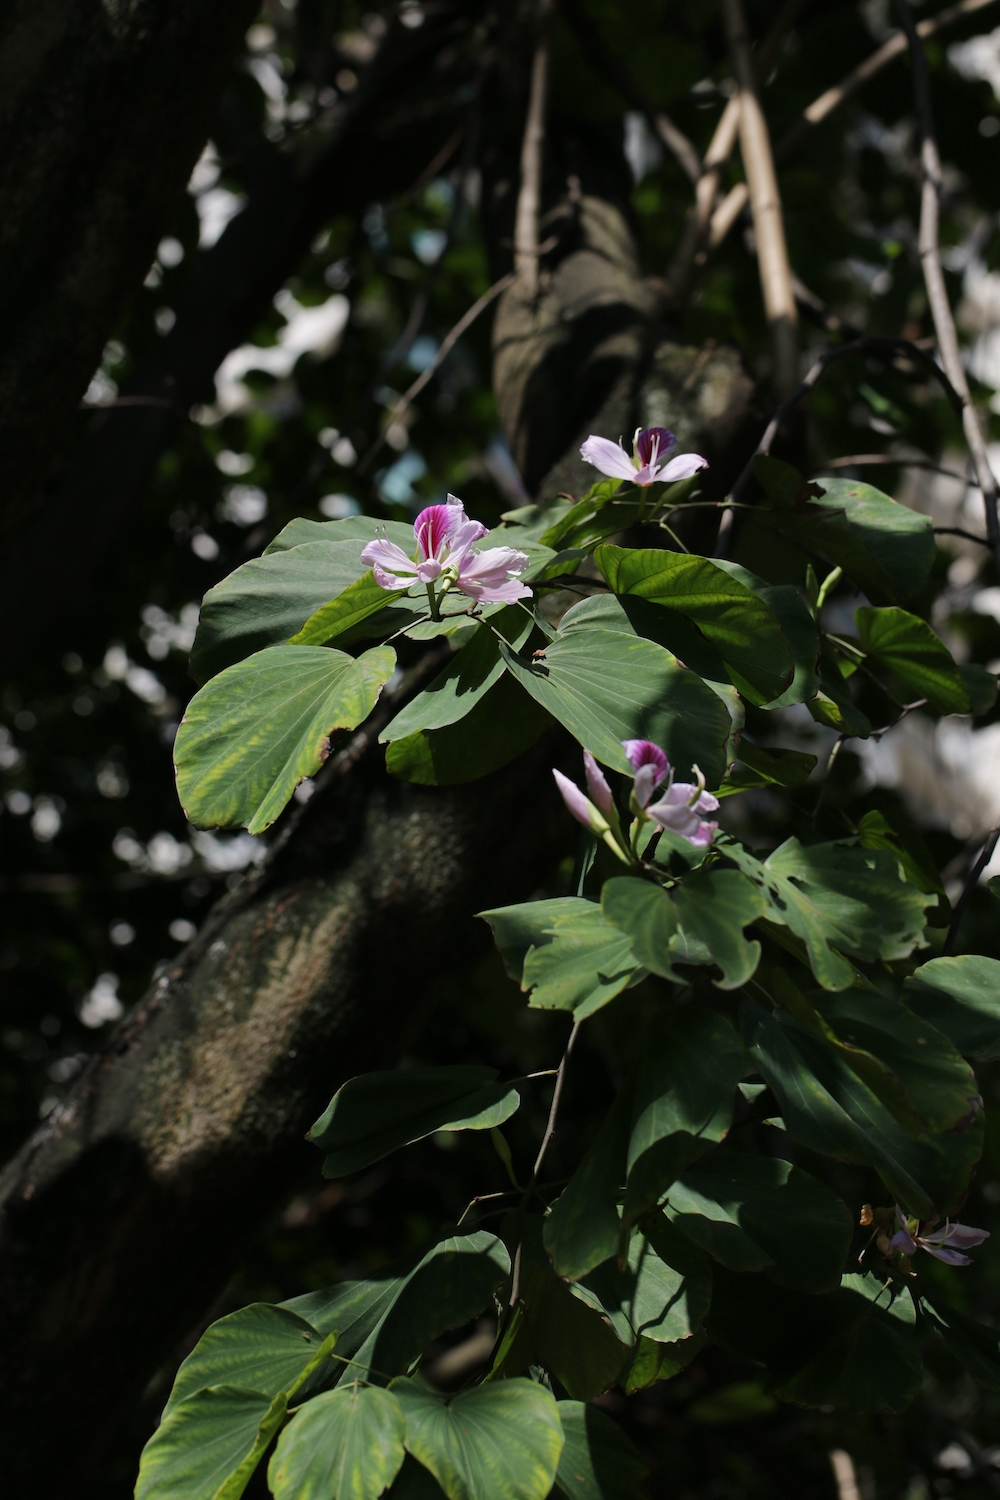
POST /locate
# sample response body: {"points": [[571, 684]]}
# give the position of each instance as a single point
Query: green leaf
{"points": [[974, 1345], [564, 952], [453, 1282], [360, 599], [267, 600], [830, 1109], [736, 620], [684, 1096], [416, 1483], [853, 1348], [501, 1440], [647, 916], [259, 728], [733, 1403], [908, 647], [797, 625], [652, 1362], [353, 1308], [606, 686], [876, 832], [758, 767], [584, 1227], [208, 1445], [714, 906], [259, 1348], [980, 684], [501, 724], [833, 704], [370, 1116], [662, 1290], [467, 678], [961, 998], [598, 1461], [755, 1213], [838, 894], [885, 548], [359, 529], [342, 1445], [556, 1329]]}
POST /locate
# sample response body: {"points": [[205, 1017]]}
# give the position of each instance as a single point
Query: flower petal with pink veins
{"points": [[390, 564], [486, 575], [433, 529], [649, 766], [607, 456]]}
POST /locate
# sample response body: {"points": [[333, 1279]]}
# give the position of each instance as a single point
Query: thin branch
{"points": [[765, 202], [607, 65], [968, 535], [870, 460], [985, 855], [735, 201], [530, 195], [448, 343], [550, 1126], [937, 292]]}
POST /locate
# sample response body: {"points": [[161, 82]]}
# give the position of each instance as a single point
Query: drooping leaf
{"points": [[269, 599], [584, 1227], [737, 621], [973, 1344], [885, 548], [467, 678], [503, 1439], [961, 998], [260, 727], [797, 625], [732, 1403], [756, 766], [833, 704], [838, 896], [598, 1461], [830, 1109], [915, 656], [209, 1444], [662, 1290], [607, 686], [355, 604], [342, 1445], [500, 725], [853, 1348], [452, 1283], [259, 1348], [652, 1362], [755, 1213], [570, 1338], [370, 1116]]}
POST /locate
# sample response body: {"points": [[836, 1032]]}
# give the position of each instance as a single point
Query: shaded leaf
{"points": [[737, 621], [961, 997], [797, 625], [648, 918], [980, 684], [564, 952], [259, 728], [342, 1445], [652, 1362], [662, 1290], [598, 1462], [756, 1213], [355, 604], [908, 647], [833, 704], [503, 1439], [713, 907], [584, 1227], [500, 725], [259, 1348], [376, 1113], [466, 679], [607, 686], [973, 1344], [756, 766]]}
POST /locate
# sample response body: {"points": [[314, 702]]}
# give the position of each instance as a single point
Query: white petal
{"points": [[607, 456], [682, 467]]}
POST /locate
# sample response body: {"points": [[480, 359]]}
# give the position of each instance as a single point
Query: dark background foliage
{"points": [[361, 173]]}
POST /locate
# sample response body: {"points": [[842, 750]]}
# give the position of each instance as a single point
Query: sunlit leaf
{"points": [[961, 998], [342, 1445]]}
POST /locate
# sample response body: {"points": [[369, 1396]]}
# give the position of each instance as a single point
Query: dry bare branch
{"points": [[532, 146]]}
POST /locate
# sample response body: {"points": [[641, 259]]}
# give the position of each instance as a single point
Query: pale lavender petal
{"points": [[390, 564], [702, 836], [957, 1234], [486, 575], [950, 1257], [706, 803], [607, 456], [904, 1241], [648, 474], [597, 786], [573, 798], [681, 467], [428, 571], [653, 443], [494, 593], [462, 538]]}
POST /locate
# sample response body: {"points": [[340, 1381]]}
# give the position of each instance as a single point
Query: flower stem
{"points": [[433, 601]]}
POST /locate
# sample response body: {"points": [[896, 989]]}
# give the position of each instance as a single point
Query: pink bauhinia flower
{"points": [[650, 460], [679, 809], [649, 766], [944, 1244], [445, 560]]}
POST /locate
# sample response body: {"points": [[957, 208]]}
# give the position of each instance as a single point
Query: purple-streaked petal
{"points": [[573, 798], [681, 467], [434, 527], [904, 1241], [702, 835], [950, 1257], [600, 792], [607, 456], [390, 564], [644, 753], [653, 443]]}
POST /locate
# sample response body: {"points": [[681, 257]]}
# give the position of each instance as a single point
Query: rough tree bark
{"points": [[104, 108]]}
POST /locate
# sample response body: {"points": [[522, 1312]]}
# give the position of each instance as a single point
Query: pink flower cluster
{"points": [[444, 558], [680, 808], [650, 461]]}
